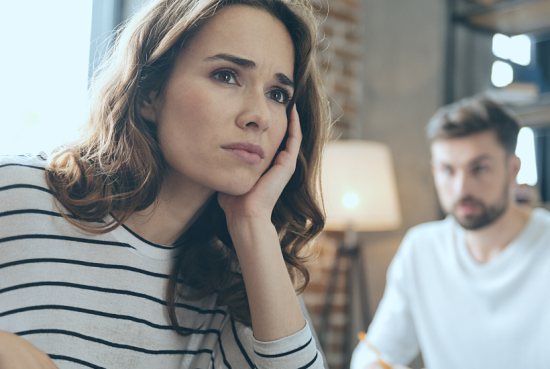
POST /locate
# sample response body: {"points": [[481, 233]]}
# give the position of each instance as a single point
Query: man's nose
{"points": [[463, 185]]}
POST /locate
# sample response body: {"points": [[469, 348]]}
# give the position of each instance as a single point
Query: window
{"points": [[516, 49], [44, 70], [502, 74]]}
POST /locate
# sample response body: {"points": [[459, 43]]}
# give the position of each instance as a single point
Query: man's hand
{"points": [[17, 353]]}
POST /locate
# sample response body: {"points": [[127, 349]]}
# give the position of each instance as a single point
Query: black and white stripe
{"points": [[98, 301]]}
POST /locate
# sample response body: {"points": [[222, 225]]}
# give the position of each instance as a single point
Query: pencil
{"points": [[363, 337]]}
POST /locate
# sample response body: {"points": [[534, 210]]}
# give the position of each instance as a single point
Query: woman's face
{"points": [[223, 115]]}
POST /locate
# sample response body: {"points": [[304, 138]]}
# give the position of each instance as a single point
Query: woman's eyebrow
{"points": [[245, 63], [283, 79], [249, 64]]}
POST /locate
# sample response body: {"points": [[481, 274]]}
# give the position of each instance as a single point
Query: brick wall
{"points": [[340, 60]]}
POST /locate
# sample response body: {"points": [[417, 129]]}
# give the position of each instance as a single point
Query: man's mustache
{"points": [[468, 200]]}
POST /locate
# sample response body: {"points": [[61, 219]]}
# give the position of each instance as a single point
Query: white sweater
{"points": [[98, 301], [462, 314]]}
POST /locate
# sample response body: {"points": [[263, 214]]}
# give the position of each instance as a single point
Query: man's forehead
{"points": [[467, 149]]}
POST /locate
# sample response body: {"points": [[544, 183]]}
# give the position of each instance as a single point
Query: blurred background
{"points": [[388, 65]]}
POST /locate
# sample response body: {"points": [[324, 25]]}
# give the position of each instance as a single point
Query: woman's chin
{"points": [[236, 188], [236, 191]]}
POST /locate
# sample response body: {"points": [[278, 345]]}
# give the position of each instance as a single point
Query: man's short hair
{"points": [[473, 115]]}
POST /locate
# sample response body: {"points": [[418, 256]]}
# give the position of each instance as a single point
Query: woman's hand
{"points": [[274, 307], [17, 353], [259, 202]]}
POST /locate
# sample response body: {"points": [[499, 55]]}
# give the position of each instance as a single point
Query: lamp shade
{"points": [[359, 187]]}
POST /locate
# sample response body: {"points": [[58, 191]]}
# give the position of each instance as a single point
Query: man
{"points": [[471, 291]]}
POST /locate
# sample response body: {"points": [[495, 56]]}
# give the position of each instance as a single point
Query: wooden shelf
{"points": [[533, 114], [510, 17], [488, 2]]}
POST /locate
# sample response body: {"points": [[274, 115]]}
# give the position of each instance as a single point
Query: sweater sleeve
{"points": [[392, 331], [297, 351]]}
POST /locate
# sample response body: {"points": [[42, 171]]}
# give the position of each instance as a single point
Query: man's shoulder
{"points": [[541, 214], [539, 224], [432, 230]]}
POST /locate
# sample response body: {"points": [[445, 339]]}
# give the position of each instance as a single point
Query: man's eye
{"points": [[225, 77], [480, 169]]}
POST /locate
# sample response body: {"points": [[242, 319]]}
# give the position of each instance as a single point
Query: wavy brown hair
{"points": [[117, 166]]}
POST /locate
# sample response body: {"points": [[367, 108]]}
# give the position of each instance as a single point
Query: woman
{"points": [[180, 222]]}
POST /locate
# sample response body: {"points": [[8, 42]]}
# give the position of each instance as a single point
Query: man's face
{"points": [[472, 176]]}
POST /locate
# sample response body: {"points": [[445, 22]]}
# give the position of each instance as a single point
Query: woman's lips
{"points": [[246, 151]]}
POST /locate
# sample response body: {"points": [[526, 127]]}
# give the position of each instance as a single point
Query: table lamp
{"points": [[360, 195], [359, 187]]}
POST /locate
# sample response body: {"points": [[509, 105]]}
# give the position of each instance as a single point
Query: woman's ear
{"points": [[147, 107]]}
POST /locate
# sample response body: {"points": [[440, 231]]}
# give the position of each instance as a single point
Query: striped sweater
{"points": [[98, 301]]}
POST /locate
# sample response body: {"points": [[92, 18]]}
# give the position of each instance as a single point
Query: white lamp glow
{"points": [[515, 48], [525, 150], [501, 46], [502, 74], [350, 200], [520, 49], [359, 187]]}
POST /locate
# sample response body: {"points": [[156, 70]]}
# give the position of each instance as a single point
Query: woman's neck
{"points": [[179, 203]]}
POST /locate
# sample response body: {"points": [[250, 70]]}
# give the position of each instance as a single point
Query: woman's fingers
{"points": [[285, 162], [294, 134], [286, 159], [263, 196]]}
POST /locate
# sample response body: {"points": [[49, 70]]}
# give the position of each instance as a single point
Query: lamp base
{"points": [[350, 252]]}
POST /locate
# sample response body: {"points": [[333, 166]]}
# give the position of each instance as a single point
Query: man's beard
{"points": [[488, 214]]}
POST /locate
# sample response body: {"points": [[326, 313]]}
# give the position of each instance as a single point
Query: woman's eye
{"points": [[279, 96], [225, 77]]}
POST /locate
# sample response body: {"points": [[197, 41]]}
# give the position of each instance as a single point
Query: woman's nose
{"points": [[255, 113]]}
